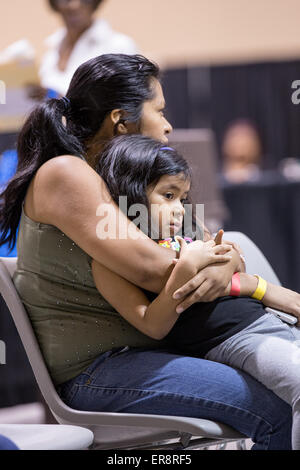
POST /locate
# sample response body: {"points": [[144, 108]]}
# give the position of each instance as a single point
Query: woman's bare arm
{"points": [[67, 193]]}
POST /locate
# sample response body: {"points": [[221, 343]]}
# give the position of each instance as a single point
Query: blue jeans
{"points": [[132, 380], [268, 350], [7, 444]]}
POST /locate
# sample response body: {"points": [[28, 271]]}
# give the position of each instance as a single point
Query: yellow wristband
{"points": [[261, 288]]}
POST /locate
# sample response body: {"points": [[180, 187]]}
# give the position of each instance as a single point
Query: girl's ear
{"points": [[118, 121]]}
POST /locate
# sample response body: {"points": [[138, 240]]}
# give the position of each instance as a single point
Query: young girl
{"points": [[234, 329]]}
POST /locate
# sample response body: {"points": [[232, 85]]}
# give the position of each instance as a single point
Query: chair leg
{"points": [[49, 418], [221, 446], [241, 445]]}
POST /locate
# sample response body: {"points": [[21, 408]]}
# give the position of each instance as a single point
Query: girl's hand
{"points": [[201, 254], [219, 240], [219, 236]]}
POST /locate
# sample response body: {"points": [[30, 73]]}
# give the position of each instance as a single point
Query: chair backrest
{"points": [[256, 262], [198, 146], [25, 330]]}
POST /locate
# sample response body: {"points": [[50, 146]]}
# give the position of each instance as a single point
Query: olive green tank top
{"points": [[72, 321]]}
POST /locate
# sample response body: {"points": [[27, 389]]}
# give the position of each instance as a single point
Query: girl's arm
{"points": [[157, 318]]}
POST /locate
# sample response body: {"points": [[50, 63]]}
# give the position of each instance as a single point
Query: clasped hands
{"points": [[214, 261]]}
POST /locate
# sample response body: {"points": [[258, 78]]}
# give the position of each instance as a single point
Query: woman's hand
{"points": [[211, 282]]}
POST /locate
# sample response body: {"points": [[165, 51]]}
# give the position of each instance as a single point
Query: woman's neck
{"points": [[73, 34], [94, 146], [68, 45], [94, 150]]}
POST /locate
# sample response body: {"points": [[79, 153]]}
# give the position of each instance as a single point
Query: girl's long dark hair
{"points": [[130, 163], [107, 82]]}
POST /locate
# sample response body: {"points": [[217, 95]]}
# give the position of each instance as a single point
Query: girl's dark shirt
{"points": [[204, 325]]}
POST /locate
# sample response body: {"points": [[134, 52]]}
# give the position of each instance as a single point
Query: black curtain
{"points": [[215, 96], [261, 93]]}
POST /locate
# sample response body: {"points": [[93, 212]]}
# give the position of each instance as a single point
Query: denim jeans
{"points": [[7, 444], [268, 350], [135, 380]]}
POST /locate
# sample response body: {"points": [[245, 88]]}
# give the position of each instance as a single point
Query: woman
{"points": [[82, 38], [97, 360]]}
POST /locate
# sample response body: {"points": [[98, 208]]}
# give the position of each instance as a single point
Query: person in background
{"points": [[241, 152], [82, 38]]}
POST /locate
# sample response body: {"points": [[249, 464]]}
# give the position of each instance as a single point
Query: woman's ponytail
{"points": [[43, 136], [68, 125]]}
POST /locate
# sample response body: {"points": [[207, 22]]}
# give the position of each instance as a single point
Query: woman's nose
{"points": [[168, 127]]}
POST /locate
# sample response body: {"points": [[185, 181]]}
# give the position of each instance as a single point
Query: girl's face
{"points": [[153, 122], [166, 199]]}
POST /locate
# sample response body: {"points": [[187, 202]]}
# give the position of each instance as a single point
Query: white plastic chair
{"points": [[256, 262], [47, 436], [111, 430]]}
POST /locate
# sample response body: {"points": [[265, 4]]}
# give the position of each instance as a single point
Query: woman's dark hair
{"points": [[107, 82], [95, 3], [130, 163]]}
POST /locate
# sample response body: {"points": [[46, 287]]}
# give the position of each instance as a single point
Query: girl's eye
{"points": [[168, 195], [184, 201]]}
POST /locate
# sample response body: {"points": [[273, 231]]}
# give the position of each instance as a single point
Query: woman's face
{"points": [[76, 14], [153, 122]]}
